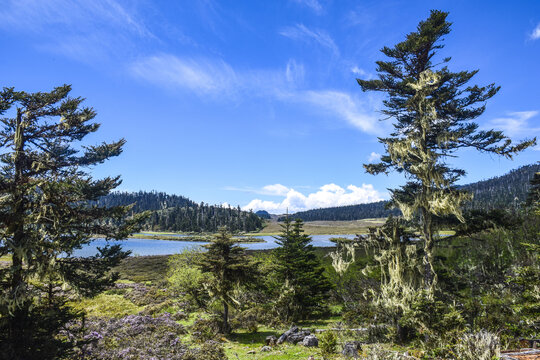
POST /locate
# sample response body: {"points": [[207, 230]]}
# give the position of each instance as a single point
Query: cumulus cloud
{"points": [[516, 124], [536, 33], [374, 157], [328, 195], [276, 189], [301, 32]]}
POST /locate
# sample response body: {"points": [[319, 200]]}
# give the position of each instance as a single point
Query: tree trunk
{"points": [[430, 277], [16, 319], [225, 328]]}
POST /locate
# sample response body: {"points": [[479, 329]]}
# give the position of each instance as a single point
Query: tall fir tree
{"points": [[46, 214], [304, 284], [230, 266], [433, 109]]}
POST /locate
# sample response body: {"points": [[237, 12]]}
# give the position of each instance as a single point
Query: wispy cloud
{"points": [[374, 157], [342, 104], [312, 4], [301, 32], [516, 124], [535, 33], [200, 75], [271, 190], [215, 78], [326, 196], [81, 29]]}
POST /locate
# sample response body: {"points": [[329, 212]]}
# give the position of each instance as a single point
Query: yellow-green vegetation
{"points": [[108, 305], [324, 227], [240, 344], [143, 268]]}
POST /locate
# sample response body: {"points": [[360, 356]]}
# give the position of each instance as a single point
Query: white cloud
{"points": [[344, 105], [536, 33], [327, 196], [312, 4], [374, 157], [516, 124], [217, 78], [199, 75], [271, 190], [301, 32], [276, 189], [83, 30], [356, 70], [294, 73]]}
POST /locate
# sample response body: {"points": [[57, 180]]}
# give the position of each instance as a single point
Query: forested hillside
{"points": [[506, 191], [352, 212], [178, 213]]}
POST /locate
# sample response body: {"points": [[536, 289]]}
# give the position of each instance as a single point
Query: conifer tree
{"points": [[230, 266], [433, 109], [46, 213], [299, 269]]}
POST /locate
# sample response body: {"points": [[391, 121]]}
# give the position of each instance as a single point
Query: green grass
{"points": [[324, 227], [107, 305], [144, 268]]}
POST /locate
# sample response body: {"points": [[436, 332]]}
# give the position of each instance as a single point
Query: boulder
{"points": [[271, 340], [286, 334], [297, 337], [350, 349], [294, 335], [310, 341], [266, 348]]}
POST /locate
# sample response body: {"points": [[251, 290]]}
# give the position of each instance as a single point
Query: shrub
{"points": [[133, 337], [204, 330], [328, 343], [377, 352], [478, 346], [210, 350]]}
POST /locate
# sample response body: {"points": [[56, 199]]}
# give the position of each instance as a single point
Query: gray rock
{"points": [[266, 348], [286, 334], [350, 349], [310, 340], [297, 337], [271, 340]]}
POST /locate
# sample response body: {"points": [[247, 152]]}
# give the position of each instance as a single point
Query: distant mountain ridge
{"points": [[506, 191]]}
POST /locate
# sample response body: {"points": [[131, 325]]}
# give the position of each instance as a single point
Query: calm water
{"points": [[167, 247]]}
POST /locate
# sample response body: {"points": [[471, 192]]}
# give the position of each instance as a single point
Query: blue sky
{"points": [[255, 103]]}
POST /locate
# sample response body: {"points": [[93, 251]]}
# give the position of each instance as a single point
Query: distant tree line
{"points": [[351, 212], [508, 191], [178, 213]]}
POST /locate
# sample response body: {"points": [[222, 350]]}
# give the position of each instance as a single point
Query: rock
{"points": [[350, 349], [297, 337], [294, 335], [310, 340], [251, 352], [286, 334], [266, 348], [271, 340]]}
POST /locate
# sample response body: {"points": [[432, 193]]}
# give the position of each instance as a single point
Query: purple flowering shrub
{"points": [[142, 337], [133, 337]]}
